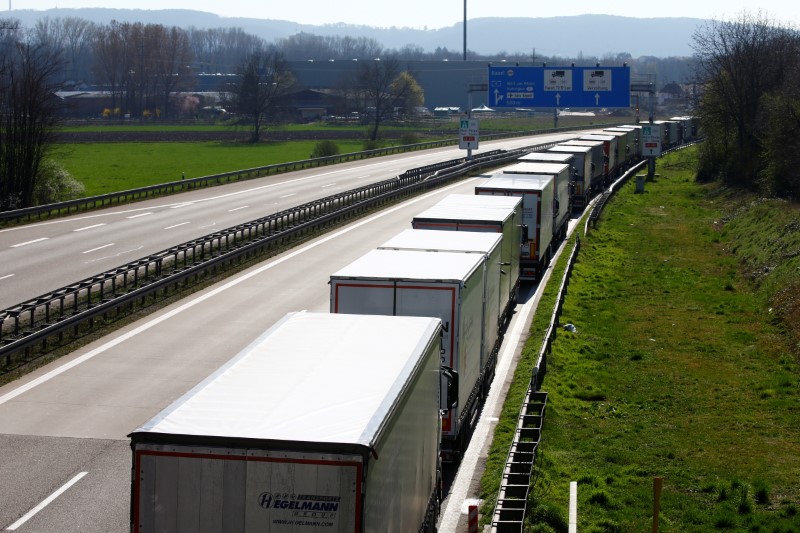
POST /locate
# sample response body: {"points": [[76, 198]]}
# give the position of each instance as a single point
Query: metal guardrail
{"points": [[116, 198], [512, 500], [27, 329], [511, 506]]}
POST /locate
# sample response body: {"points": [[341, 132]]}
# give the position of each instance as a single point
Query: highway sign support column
{"points": [[468, 132], [651, 146]]}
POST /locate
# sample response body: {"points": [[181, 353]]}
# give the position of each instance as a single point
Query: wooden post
{"points": [[657, 482]]}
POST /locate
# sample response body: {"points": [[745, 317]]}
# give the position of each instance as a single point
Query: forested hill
{"points": [[574, 36]]}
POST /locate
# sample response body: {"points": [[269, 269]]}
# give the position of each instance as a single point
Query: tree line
{"points": [[749, 69], [142, 67]]}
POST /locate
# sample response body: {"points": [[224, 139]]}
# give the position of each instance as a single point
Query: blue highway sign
{"points": [[559, 87]]}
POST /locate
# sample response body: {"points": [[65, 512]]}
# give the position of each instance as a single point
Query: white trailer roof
{"points": [[571, 149], [546, 156], [312, 377], [518, 182], [472, 200], [597, 137], [535, 167], [583, 142], [402, 265], [467, 213], [444, 241]]}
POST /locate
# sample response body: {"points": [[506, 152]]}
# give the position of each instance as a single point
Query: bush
{"points": [[55, 184], [325, 148], [410, 138], [371, 145]]}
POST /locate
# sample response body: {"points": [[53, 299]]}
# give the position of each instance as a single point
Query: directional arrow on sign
{"points": [[597, 99], [558, 99], [497, 97]]}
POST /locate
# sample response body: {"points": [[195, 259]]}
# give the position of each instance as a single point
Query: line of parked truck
{"points": [[340, 422]]}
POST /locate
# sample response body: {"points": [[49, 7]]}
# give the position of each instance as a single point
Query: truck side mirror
{"points": [[523, 234], [451, 391]]}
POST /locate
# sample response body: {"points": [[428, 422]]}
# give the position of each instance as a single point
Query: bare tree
{"points": [[385, 87], [28, 116], [111, 65], [170, 64], [263, 77], [738, 63]]}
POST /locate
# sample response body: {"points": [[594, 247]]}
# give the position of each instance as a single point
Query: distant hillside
{"points": [[587, 35]]}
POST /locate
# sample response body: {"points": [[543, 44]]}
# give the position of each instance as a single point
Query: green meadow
{"points": [[110, 167], [684, 366]]}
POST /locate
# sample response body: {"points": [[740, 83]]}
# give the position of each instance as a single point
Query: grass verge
{"points": [[684, 366]]}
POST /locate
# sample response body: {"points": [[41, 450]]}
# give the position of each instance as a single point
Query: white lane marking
{"points": [[237, 208], [368, 175], [29, 242], [208, 225], [286, 196], [6, 276], [328, 185], [184, 204], [89, 227], [98, 248], [47, 501], [44, 378], [177, 225], [140, 215], [112, 256]]}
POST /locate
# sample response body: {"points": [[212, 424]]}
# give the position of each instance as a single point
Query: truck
{"points": [[444, 285], [609, 153], [489, 247], [624, 147], [537, 193], [323, 423], [633, 139], [599, 159], [562, 189], [587, 171], [491, 214]]}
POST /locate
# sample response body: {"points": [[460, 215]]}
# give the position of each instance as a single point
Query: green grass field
{"points": [[111, 167], [682, 367]]}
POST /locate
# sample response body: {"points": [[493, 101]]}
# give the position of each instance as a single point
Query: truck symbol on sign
{"points": [[598, 73], [558, 74]]}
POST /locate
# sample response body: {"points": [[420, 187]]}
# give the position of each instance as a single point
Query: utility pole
{"points": [[465, 30]]}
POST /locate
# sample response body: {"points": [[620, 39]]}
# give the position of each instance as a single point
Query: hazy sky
{"points": [[433, 14]]}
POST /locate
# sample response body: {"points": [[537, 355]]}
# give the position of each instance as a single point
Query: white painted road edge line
{"points": [[457, 500], [47, 501], [6, 277], [207, 295]]}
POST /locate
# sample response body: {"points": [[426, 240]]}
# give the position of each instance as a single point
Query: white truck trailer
{"points": [[445, 285], [492, 214], [489, 246], [324, 423], [562, 189], [599, 159], [537, 193], [586, 170], [609, 153]]}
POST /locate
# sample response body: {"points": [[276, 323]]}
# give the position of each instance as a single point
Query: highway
{"points": [[63, 429], [41, 257]]}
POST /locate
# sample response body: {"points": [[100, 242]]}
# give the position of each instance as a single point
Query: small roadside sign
{"points": [[651, 140], [468, 134]]}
